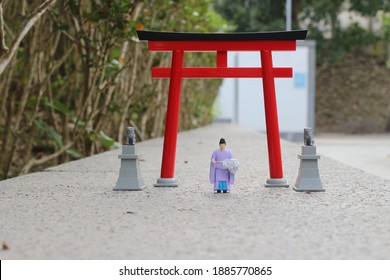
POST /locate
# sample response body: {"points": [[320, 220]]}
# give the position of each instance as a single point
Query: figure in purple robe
{"points": [[220, 176]]}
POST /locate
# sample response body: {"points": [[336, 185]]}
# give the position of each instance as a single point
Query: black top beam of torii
{"points": [[145, 35]]}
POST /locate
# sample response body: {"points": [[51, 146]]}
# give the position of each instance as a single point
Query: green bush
{"points": [[81, 76]]}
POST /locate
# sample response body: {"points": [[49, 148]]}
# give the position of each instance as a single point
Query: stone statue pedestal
{"points": [[309, 176], [130, 178]]}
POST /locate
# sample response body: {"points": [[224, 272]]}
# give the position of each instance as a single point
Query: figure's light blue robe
{"points": [[217, 171]]}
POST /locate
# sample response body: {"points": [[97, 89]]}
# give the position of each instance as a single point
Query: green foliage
{"points": [[46, 131], [369, 7], [74, 154], [190, 15], [321, 16], [386, 27], [106, 140], [386, 36], [49, 132], [352, 39], [321, 11], [253, 15], [342, 40], [111, 15], [57, 106]]}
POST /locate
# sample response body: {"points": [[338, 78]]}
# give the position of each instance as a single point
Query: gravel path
{"points": [[71, 212]]}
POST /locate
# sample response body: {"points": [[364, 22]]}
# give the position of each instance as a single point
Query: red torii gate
{"points": [[221, 43]]}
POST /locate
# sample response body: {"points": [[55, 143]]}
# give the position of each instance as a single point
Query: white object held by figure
{"points": [[231, 164]]}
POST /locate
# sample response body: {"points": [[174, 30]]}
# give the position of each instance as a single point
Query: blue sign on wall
{"points": [[299, 80]]}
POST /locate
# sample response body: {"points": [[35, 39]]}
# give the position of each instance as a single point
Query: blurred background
{"points": [[71, 84]]}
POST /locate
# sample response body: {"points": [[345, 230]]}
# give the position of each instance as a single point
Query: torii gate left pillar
{"points": [[221, 43]]}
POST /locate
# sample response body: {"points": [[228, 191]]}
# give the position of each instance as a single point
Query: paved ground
{"points": [[71, 212], [370, 153]]}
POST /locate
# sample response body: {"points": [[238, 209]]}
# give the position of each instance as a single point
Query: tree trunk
{"points": [[3, 47], [5, 54]]}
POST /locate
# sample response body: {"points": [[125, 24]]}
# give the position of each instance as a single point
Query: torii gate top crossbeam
{"points": [[247, 41], [145, 35]]}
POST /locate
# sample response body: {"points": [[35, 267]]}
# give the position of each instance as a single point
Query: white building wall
{"points": [[292, 93]]}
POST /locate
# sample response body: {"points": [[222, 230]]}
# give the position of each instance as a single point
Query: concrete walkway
{"points": [[71, 212], [370, 152]]}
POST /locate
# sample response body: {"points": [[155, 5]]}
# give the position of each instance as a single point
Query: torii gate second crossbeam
{"points": [[221, 43]]}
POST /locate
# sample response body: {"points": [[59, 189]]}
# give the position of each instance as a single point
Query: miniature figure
{"points": [[222, 168]]}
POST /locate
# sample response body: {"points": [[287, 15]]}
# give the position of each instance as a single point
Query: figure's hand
{"points": [[214, 162]]}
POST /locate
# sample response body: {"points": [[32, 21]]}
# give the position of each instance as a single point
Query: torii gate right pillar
{"points": [[272, 124]]}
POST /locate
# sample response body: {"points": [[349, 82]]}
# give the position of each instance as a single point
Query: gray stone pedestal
{"points": [[130, 178], [309, 176]]}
